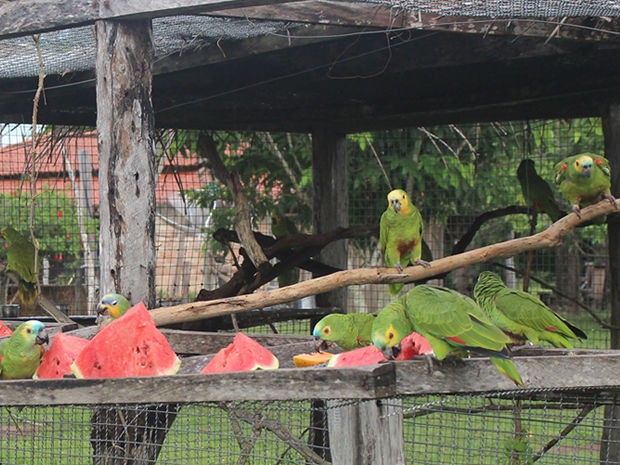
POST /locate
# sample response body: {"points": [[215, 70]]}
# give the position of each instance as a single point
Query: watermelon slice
{"points": [[368, 355], [129, 346], [413, 345], [5, 330], [311, 359], [56, 361], [242, 354]]}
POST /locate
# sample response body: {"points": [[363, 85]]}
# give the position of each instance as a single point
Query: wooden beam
{"points": [[610, 443], [25, 17], [383, 16], [125, 131]]}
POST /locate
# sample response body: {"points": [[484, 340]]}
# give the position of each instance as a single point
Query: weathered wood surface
{"points": [[548, 238], [385, 16], [292, 384], [25, 17], [585, 369], [367, 433], [125, 134]]}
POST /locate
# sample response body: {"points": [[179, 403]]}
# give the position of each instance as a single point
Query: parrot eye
{"points": [[28, 330], [114, 302], [326, 330], [390, 335]]}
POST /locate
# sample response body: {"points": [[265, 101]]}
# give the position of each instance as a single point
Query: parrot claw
{"points": [[612, 200], [577, 211], [423, 263], [399, 267]]}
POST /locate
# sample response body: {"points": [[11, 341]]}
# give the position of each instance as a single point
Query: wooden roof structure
{"points": [[286, 65]]}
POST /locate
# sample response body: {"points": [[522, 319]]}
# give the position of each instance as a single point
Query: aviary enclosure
{"points": [[163, 135]]}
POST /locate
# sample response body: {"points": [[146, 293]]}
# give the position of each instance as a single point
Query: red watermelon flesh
{"points": [[5, 330], [56, 361], [413, 345], [242, 354], [368, 355], [128, 346]]}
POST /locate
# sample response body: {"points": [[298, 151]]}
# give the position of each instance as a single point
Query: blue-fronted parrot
{"points": [[20, 261], [391, 325], [521, 315], [347, 330], [584, 179], [21, 353], [536, 191], [400, 234], [113, 305]]}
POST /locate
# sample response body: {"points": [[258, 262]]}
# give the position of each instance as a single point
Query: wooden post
{"points": [[610, 443], [366, 433], [125, 131], [330, 210], [331, 203]]}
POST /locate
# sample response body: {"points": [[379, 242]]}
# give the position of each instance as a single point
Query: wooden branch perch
{"points": [[551, 237]]}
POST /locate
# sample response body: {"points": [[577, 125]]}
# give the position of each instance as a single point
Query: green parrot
{"points": [[20, 260], [400, 234], [521, 315], [20, 354], [584, 179], [114, 305], [348, 330], [536, 191], [452, 323], [391, 325], [282, 226]]}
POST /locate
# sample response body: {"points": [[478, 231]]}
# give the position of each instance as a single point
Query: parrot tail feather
{"points": [[507, 368]]}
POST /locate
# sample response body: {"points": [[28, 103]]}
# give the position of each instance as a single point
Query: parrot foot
{"points": [[611, 199], [423, 263], [577, 211], [399, 267]]}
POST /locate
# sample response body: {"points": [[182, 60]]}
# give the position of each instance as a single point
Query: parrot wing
{"points": [[20, 260]]}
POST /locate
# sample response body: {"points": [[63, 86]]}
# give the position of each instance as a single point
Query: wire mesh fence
{"points": [[454, 175], [520, 427]]}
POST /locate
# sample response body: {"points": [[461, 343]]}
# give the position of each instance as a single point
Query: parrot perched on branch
{"points": [[452, 323], [347, 330], [20, 261], [113, 305], [584, 179], [21, 353], [536, 191], [521, 315], [400, 234]]}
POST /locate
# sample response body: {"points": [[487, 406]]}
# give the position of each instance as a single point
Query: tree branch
{"points": [[548, 238]]}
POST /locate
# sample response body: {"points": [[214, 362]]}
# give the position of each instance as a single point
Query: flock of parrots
{"points": [[452, 323]]}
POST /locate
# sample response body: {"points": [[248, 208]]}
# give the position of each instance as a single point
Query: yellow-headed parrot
{"points": [[400, 234]]}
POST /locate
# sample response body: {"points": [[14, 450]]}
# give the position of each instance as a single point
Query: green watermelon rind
{"points": [[236, 357], [127, 347], [62, 352], [369, 355]]}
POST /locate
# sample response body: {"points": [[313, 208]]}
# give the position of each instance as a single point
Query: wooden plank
{"points": [[478, 375], [125, 128], [285, 384], [361, 14], [366, 433], [25, 17]]}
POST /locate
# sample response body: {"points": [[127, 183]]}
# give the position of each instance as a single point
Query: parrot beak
{"points": [[42, 338], [587, 170], [102, 309], [396, 205], [389, 352], [323, 346]]}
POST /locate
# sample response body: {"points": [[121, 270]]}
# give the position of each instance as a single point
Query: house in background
{"points": [[66, 167]]}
